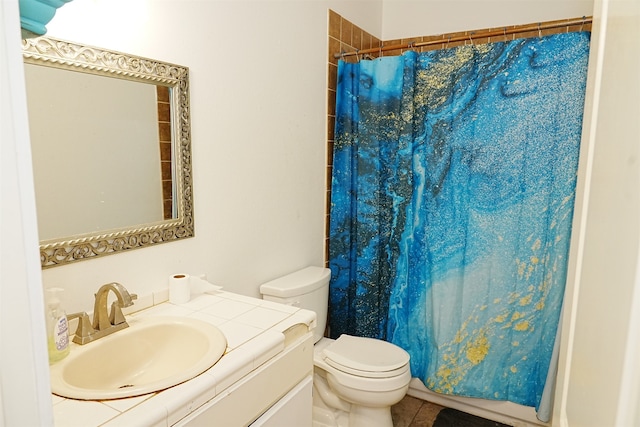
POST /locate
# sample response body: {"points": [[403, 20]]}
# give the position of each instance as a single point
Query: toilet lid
{"points": [[366, 357]]}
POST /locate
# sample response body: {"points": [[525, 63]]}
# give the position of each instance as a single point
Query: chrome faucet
{"points": [[104, 322]]}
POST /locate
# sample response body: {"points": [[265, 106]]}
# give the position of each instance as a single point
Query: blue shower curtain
{"points": [[452, 196]]}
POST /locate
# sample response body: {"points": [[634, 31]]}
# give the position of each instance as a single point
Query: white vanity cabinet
{"points": [[278, 394]]}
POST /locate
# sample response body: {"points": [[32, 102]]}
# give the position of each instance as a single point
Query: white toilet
{"points": [[356, 379]]}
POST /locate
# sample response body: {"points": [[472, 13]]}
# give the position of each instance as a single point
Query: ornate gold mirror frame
{"points": [[60, 54]]}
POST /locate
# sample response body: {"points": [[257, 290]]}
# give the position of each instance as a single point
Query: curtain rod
{"points": [[473, 35]]}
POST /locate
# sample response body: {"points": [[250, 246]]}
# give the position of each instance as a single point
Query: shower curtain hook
{"points": [[504, 31], [448, 40], [539, 31], [470, 39], [380, 50], [582, 25], [357, 57]]}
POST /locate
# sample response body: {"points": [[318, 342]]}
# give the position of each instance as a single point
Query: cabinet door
{"points": [[293, 410]]}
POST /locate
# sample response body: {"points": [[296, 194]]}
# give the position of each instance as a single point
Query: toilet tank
{"points": [[307, 288]]}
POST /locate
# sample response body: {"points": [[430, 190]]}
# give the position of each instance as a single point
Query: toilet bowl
{"points": [[369, 375], [356, 379]]}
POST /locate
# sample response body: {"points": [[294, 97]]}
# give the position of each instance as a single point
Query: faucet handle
{"points": [[84, 329], [116, 316]]}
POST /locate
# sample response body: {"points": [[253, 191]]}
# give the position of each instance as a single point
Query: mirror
{"points": [[111, 146]]}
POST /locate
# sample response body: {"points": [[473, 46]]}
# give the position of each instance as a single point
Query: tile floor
{"points": [[414, 412]]}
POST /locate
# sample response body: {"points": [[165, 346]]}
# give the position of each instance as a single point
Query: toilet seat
{"points": [[366, 357]]}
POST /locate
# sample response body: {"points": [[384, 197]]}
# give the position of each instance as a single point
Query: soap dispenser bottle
{"points": [[57, 327]]}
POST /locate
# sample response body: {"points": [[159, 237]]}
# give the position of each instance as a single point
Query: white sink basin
{"points": [[152, 354]]}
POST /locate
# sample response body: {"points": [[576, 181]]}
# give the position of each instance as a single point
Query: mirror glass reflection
{"points": [[96, 152]]}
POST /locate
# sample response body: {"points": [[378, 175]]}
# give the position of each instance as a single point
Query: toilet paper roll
{"points": [[179, 288]]}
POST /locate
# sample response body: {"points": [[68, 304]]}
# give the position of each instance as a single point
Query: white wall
{"points": [[599, 381], [258, 90], [407, 18]]}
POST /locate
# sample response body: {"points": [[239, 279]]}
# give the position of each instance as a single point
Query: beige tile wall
{"points": [[164, 135]]}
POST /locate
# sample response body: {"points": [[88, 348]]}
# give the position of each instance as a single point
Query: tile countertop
{"points": [[254, 331]]}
